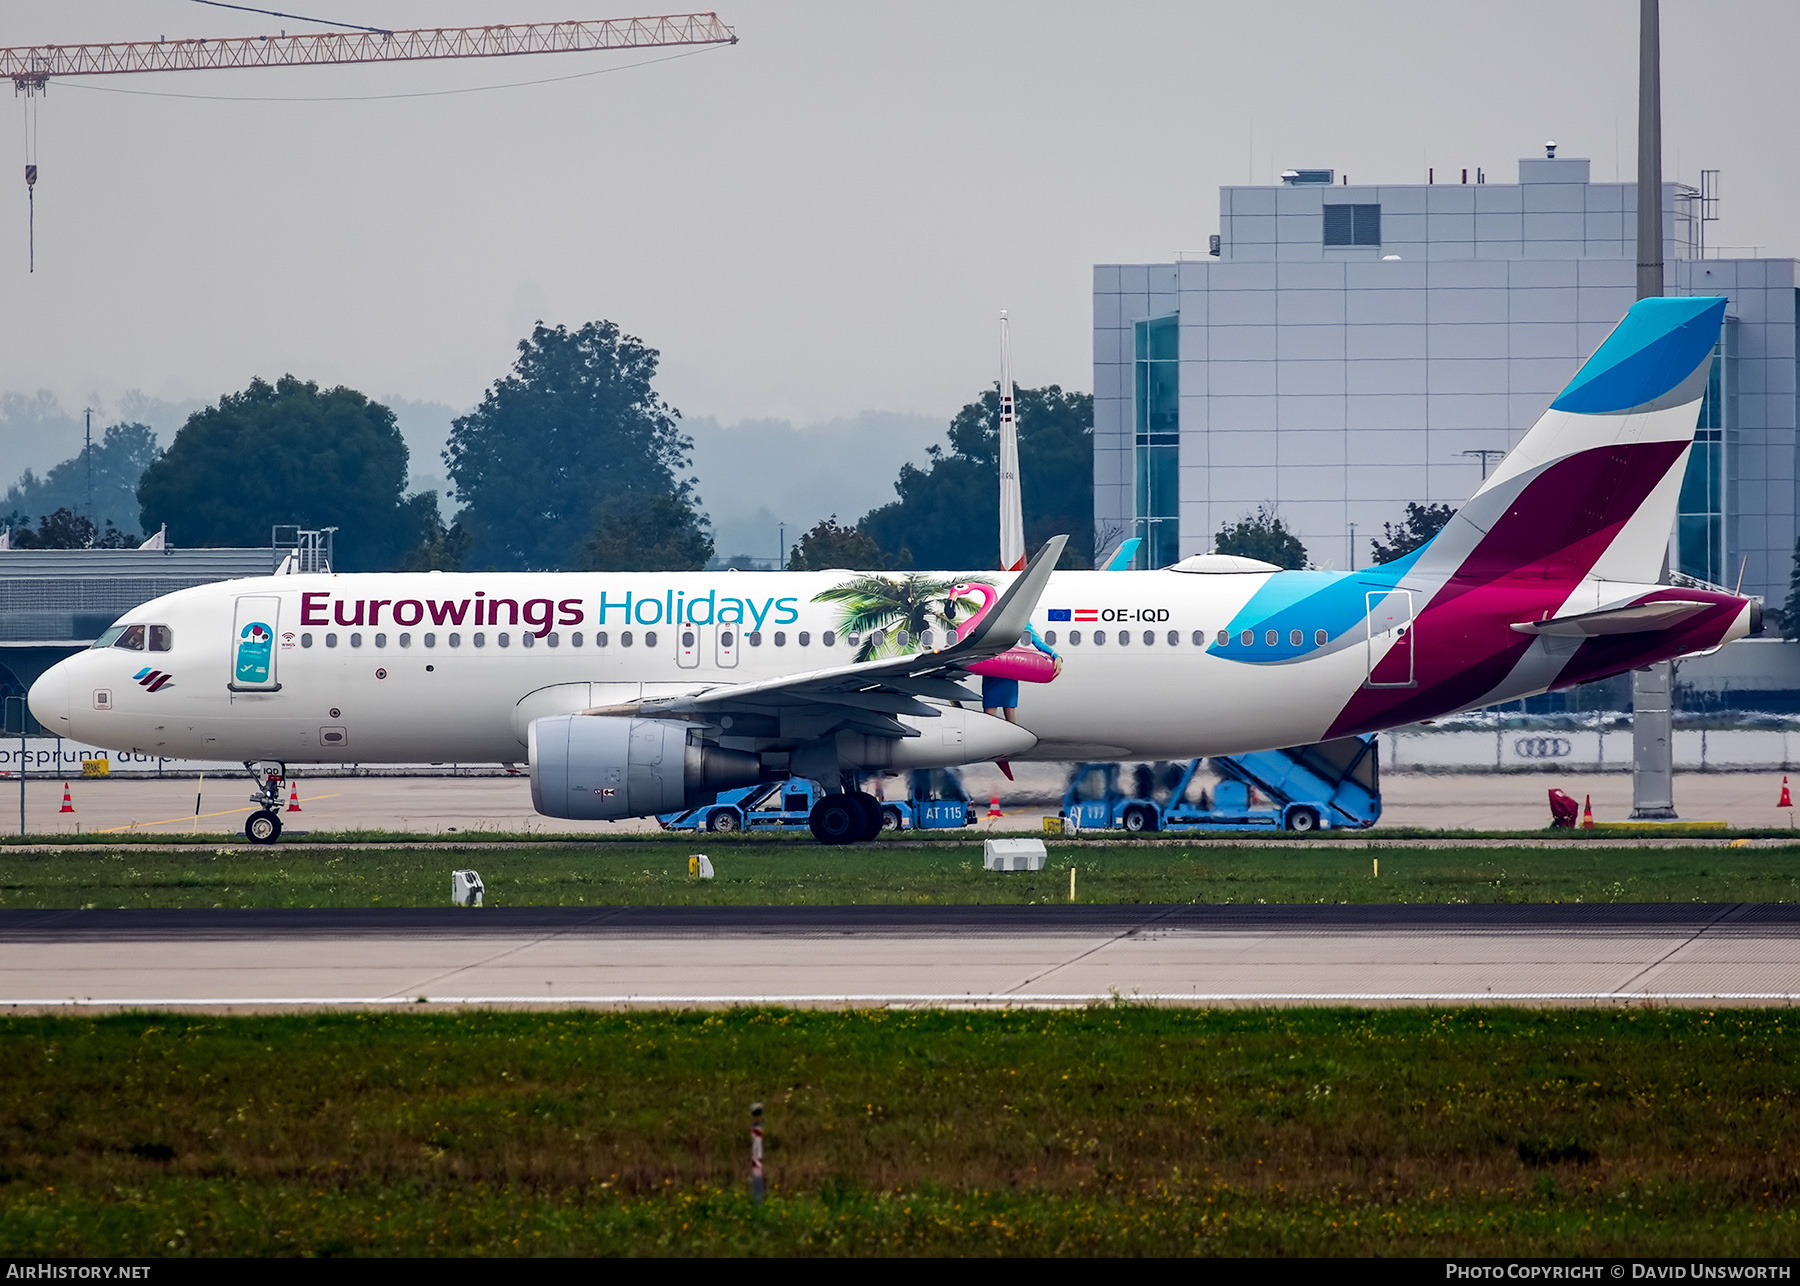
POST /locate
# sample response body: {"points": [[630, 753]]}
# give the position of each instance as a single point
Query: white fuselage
{"points": [[422, 690]]}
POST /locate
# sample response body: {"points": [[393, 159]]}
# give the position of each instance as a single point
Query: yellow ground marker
{"points": [[167, 821]]}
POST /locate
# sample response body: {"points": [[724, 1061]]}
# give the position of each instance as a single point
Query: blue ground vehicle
{"points": [[935, 800], [1304, 788]]}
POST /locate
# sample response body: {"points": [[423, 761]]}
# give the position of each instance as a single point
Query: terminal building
{"points": [[1344, 350]]}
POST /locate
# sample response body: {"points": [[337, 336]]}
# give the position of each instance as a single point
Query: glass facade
{"points": [[1157, 407], [1700, 526]]}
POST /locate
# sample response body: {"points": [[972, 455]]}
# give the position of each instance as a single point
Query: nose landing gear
{"points": [[264, 825]]}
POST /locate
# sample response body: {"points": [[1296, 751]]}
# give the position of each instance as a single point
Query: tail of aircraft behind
{"points": [[1591, 490]]}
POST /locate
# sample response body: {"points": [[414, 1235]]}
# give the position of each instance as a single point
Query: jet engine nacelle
{"points": [[604, 767]]}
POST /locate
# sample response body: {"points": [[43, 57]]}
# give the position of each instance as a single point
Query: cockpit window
{"points": [[109, 638], [132, 640], [162, 638]]}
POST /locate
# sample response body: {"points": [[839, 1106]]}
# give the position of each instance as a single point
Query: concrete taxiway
{"points": [[1723, 953], [472, 806]]}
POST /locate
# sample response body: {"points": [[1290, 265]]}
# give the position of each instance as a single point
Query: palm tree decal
{"points": [[913, 604]]}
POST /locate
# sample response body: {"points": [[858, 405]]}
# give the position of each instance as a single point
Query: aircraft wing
{"points": [[867, 695]]}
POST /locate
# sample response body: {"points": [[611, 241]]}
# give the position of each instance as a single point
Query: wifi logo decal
{"points": [[152, 680]]}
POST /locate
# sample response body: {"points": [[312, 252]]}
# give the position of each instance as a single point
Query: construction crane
{"points": [[31, 67]]}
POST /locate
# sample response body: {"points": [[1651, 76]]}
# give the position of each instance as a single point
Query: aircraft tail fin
{"points": [[1592, 488]]}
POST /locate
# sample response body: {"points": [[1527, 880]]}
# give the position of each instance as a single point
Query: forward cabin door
{"points": [[1390, 639], [254, 627]]}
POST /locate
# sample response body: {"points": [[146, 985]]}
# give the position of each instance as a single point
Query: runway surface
{"points": [[1689, 953]]}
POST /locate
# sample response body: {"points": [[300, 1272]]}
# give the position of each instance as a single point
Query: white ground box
{"points": [[466, 888], [1013, 855]]}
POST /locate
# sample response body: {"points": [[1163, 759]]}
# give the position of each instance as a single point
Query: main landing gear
{"points": [[846, 817], [264, 825]]}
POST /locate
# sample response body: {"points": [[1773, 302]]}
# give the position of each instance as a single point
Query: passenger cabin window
{"points": [[331, 640], [649, 638], [381, 640], [829, 638]]}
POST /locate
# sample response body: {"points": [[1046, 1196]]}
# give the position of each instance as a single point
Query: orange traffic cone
{"points": [[68, 804], [1786, 800], [994, 807], [1587, 812], [293, 798]]}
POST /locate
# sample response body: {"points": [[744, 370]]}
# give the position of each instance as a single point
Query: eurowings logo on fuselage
{"points": [[153, 680]]}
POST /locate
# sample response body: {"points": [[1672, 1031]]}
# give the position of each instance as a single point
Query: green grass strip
{"points": [[769, 873], [1107, 1130]]}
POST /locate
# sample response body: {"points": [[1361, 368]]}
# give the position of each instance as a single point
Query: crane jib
{"points": [[32, 64]]}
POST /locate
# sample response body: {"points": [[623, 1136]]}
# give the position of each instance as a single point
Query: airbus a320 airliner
{"points": [[635, 694]]}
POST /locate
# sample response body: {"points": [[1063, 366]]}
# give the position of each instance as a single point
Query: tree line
{"points": [[571, 461]]}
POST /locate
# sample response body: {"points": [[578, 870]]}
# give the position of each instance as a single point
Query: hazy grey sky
{"points": [[823, 220]]}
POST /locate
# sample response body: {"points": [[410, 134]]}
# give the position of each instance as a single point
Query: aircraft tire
{"points": [[722, 821], [836, 819], [1303, 820], [262, 827], [871, 811], [1137, 818]]}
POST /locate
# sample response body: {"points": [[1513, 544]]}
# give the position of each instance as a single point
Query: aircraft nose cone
{"points": [[49, 699]]}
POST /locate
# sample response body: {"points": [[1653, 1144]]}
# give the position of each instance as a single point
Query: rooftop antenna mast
{"points": [[1012, 502]]}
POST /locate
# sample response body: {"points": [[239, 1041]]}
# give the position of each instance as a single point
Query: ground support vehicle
{"points": [[934, 800], [1304, 788]]}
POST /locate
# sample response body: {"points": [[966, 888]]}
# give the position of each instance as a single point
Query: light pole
{"points": [[1652, 725]]}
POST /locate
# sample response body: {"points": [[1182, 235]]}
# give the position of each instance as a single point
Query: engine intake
{"points": [[604, 767]]}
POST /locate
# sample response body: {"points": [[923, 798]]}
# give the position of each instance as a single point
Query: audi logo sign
{"points": [[1543, 748]]}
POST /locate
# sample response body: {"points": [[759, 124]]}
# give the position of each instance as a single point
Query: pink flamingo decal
{"points": [[1021, 662]]}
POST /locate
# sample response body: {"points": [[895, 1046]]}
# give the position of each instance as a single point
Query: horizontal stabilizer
{"points": [[1641, 618]]}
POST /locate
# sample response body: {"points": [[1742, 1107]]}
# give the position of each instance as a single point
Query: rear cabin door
{"points": [[254, 627], [1390, 639]]}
